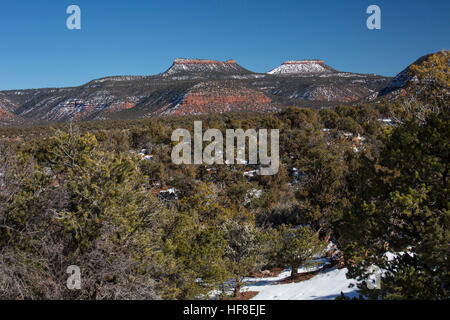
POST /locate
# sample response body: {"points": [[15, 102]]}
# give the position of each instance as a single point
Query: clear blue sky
{"points": [[143, 37]]}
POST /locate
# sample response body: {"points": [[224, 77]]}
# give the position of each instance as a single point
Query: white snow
{"points": [[182, 65], [386, 121], [252, 194], [250, 173], [327, 285], [292, 67]]}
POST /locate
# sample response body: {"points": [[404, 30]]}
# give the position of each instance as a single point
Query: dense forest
{"points": [[370, 177]]}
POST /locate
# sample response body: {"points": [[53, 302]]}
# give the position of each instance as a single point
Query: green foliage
{"points": [[83, 196], [197, 254], [433, 80], [80, 205], [401, 205], [243, 251], [296, 246], [329, 118]]}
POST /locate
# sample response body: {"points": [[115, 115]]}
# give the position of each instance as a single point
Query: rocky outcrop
{"points": [[77, 108], [7, 117], [219, 97], [327, 93]]}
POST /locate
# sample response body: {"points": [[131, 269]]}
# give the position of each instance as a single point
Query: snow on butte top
{"points": [[301, 66], [201, 61], [201, 66], [313, 61]]}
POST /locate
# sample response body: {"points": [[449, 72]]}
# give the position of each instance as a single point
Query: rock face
{"points": [[328, 93], [7, 117], [219, 97], [302, 67], [73, 106]]}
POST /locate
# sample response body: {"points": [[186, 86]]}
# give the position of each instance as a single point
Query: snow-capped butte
{"points": [[201, 66], [302, 67]]}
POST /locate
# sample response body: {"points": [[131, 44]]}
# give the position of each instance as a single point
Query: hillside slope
{"points": [[402, 83], [191, 86]]}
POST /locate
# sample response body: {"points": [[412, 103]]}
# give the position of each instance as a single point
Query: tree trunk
{"points": [[294, 271], [237, 288]]}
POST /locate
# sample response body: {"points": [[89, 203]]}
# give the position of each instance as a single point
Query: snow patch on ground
{"points": [[327, 285]]}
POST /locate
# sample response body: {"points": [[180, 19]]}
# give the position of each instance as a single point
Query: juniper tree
{"points": [[401, 206], [296, 246], [79, 205], [244, 251], [195, 258]]}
